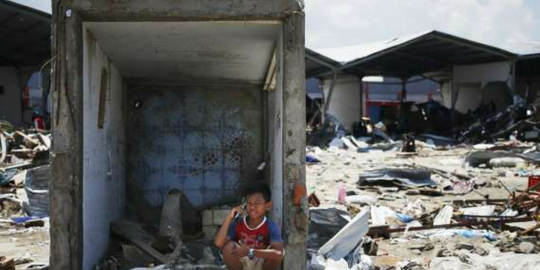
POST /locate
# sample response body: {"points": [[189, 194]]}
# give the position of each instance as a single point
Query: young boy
{"points": [[251, 241]]}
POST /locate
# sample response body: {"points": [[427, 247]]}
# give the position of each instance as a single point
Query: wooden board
{"points": [[135, 233]]}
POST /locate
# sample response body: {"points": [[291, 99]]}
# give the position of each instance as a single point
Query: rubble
{"points": [[24, 197], [427, 208]]}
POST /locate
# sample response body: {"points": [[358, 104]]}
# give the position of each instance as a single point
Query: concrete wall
{"points": [[345, 101], [469, 83], [103, 153], [482, 73], [10, 101]]}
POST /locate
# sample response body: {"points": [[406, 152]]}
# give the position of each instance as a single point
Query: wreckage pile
{"points": [[24, 197], [423, 202]]}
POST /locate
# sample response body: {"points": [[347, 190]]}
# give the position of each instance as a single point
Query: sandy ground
{"points": [[19, 242], [32, 243]]}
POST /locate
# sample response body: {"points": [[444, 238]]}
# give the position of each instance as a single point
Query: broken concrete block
{"points": [[220, 215], [171, 216], [210, 231], [208, 217]]}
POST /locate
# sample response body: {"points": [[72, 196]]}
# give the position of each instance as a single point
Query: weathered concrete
{"points": [[104, 152], [295, 209], [186, 10], [67, 122]]}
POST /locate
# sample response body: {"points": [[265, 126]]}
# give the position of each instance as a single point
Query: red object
{"points": [[38, 123], [26, 97], [533, 180]]}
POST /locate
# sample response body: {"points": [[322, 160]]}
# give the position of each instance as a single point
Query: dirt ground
{"points": [[31, 243]]}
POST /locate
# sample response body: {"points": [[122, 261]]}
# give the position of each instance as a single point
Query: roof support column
{"points": [[513, 79], [360, 78], [402, 97], [330, 92], [295, 208]]}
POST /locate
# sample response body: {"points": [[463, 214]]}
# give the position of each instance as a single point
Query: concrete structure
{"points": [[191, 95], [25, 47]]}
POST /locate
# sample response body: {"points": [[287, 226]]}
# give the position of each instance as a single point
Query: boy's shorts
{"points": [[255, 264]]}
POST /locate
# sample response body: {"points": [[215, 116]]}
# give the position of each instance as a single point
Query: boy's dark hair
{"points": [[261, 188]]}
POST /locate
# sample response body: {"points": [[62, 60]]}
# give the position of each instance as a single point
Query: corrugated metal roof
{"points": [[317, 64], [25, 35], [345, 54], [525, 48], [415, 54]]}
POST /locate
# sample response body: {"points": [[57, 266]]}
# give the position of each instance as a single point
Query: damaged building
{"points": [[191, 96], [24, 58], [462, 75]]}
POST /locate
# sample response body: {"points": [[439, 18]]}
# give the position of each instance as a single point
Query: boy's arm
{"points": [[221, 237], [275, 252]]}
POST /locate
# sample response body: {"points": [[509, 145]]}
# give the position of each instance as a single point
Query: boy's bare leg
{"points": [[271, 264], [231, 261]]}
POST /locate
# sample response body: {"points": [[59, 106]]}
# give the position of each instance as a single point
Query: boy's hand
{"points": [[236, 210], [241, 251]]}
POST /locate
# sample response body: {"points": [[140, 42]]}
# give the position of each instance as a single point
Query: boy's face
{"points": [[257, 206]]}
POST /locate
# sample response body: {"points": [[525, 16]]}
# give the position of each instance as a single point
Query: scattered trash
{"points": [[444, 216], [37, 190], [312, 159], [361, 199], [399, 177]]}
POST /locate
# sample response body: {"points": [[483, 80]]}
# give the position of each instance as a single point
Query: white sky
{"points": [[331, 23], [43, 5], [503, 23]]}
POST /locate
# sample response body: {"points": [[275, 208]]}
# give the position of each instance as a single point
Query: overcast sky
{"points": [[332, 23]]}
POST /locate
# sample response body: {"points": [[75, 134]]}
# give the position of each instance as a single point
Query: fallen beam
{"points": [[134, 233], [386, 229]]}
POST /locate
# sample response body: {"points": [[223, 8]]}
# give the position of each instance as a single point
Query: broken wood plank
{"points": [[28, 141], [45, 140], [135, 233], [531, 229], [443, 172]]}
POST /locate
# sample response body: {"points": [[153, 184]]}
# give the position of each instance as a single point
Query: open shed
{"points": [[464, 69]]}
